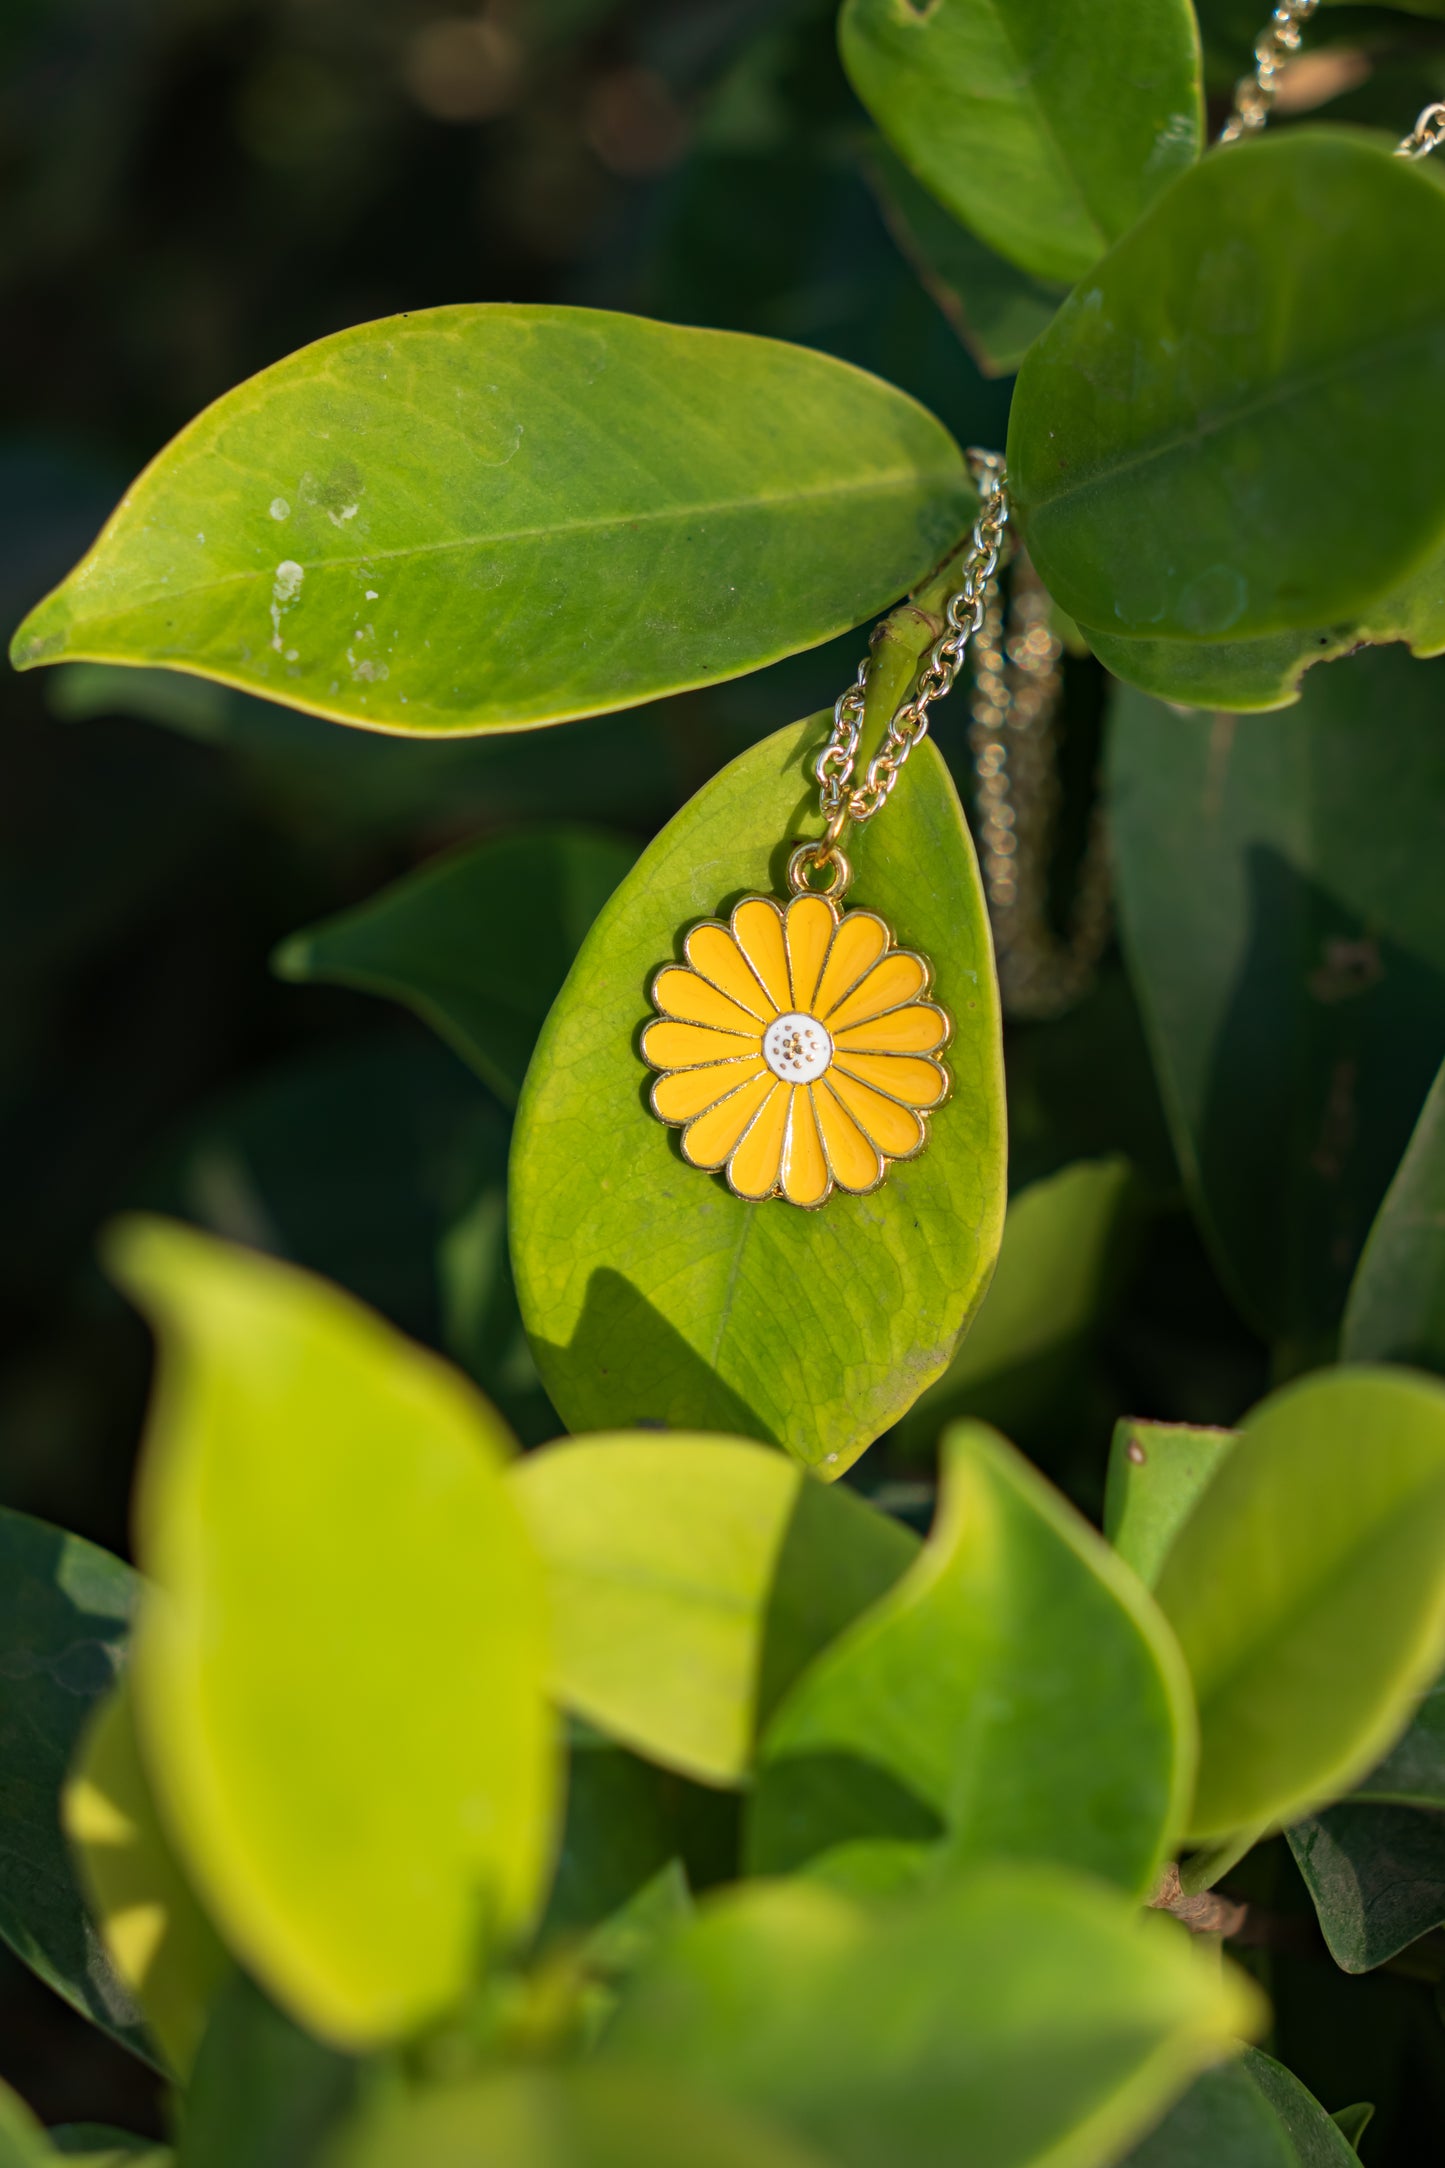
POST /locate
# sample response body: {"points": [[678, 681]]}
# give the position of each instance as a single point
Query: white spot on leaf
{"points": [[280, 509]]}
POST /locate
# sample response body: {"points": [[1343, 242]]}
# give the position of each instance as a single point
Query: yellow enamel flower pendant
{"points": [[798, 1051]]}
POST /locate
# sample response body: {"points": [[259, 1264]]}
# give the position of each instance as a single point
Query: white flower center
{"points": [[797, 1048]]}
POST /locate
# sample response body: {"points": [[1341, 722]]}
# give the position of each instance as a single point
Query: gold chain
{"points": [[1274, 48], [1427, 134]]}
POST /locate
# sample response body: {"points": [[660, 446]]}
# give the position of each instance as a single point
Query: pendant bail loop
{"points": [[817, 856]]}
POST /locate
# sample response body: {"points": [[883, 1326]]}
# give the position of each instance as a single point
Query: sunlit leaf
{"points": [[995, 107], [339, 1685], [476, 943], [1039, 2014], [495, 516], [1157, 1472], [1307, 1589], [1017, 1694], [158, 1939], [65, 1611], [1279, 905], [22, 2141], [1164, 441], [690, 1579], [654, 1295]]}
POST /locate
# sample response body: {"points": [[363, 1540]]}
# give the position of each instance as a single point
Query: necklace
{"points": [[800, 1049]]}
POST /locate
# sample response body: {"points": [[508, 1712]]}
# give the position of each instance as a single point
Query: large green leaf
{"points": [[1280, 912], [65, 1610], [996, 105], [1377, 1878], [1058, 1268], [339, 1688], [160, 1942], [1412, 1774], [263, 2094], [996, 309], [588, 2118], [690, 1579], [22, 2141], [649, 1290], [1252, 2114], [497, 516], [1157, 1472], [476, 943], [1396, 1306], [1164, 442], [1018, 2013], [1017, 1694], [1307, 1589]]}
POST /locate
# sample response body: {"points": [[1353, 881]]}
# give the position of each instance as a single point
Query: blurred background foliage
{"points": [[194, 188]]}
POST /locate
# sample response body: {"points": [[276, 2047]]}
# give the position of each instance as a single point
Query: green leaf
{"points": [[1249, 675], [1377, 1878], [344, 1585], [1252, 2114], [1354, 2121], [1304, 278], [263, 2094], [1396, 1306], [99, 2146], [22, 2142], [1157, 1473], [496, 516], [65, 1610], [996, 109], [1413, 1772], [1057, 1273], [690, 1579], [587, 2118], [476, 943], [996, 309], [1280, 912], [162, 1945], [650, 1292], [1307, 1589], [1037, 2013], [1017, 1694]]}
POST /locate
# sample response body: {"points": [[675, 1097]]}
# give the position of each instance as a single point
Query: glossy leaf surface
{"points": [[65, 1611], [400, 1659], [1396, 1307], [994, 107], [587, 2118], [651, 1293], [160, 1942], [997, 309], [496, 516], [1377, 1878], [1280, 913], [1016, 1695], [1157, 1473], [263, 2094], [1037, 2013], [1252, 2114], [1307, 1589], [690, 1579], [1057, 1268], [1164, 439], [476, 943]]}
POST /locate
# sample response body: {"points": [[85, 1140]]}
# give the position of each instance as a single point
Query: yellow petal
{"points": [[902, 1076], [753, 1168], [683, 1093], [708, 1140], [860, 941], [895, 1130], [711, 949], [920, 1028], [805, 1165], [898, 978], [758, 924], [693, 1000], [852, 1159], [667, 1045], [809, 930]]}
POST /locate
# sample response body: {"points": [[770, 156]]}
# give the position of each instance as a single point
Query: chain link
{"points": [[1427, 134], [1275, 46], [840, 798]]}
